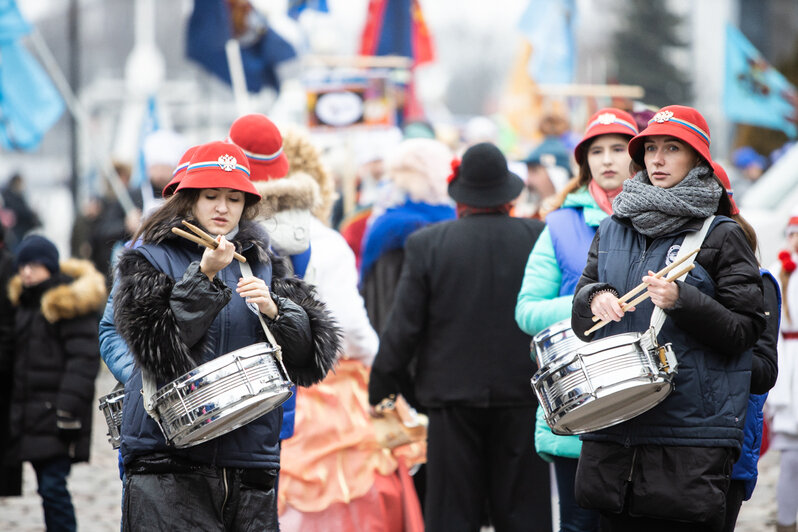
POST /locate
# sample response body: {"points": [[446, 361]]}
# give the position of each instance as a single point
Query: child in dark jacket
{"points": [[56, 358]]}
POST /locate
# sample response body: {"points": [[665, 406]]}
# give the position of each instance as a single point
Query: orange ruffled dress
{"points": [[334, 475]]}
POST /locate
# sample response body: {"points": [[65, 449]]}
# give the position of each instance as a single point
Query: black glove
{"points": [[68, 426]]}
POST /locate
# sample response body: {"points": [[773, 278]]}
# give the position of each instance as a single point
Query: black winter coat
{"points": [[454, 307], [56, 360]]}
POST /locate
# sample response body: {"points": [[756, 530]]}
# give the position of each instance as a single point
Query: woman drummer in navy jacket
{"points": [[669, 468], [178, 305]]}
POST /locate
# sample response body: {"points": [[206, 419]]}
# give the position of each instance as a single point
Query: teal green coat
{"points": [[539, 306]]}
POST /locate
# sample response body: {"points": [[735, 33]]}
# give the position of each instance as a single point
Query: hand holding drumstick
{"points": [[606, 307]]}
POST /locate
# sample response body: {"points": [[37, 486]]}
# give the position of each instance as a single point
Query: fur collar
{"points": [[85, 293], [300, 191], [250, 236]]}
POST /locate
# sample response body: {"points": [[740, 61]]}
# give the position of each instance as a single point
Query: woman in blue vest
{"points": [[178, 305], [555, 265], [669, 468]]}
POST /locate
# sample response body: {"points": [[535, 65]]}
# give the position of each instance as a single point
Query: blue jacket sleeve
{"points": [[113, 349], [539, 303]]}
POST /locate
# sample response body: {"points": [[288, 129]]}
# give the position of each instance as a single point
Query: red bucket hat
{"points": [[679, 121], [219, 165], [607, 121], [179, 172], [723, 177], [262, 143]]}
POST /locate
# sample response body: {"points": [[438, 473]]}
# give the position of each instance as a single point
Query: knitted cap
{"points": [[39, 250], [607, 121], [262, 144], [179, 172], [219, 165], [679, 121]]}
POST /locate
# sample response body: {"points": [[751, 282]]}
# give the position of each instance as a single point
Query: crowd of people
{"points": [[425, 297]]}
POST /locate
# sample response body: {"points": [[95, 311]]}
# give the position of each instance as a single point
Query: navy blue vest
{"points": [[236, 326], [708, 404], [571, 238]]}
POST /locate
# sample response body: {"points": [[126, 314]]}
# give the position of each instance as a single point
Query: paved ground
{"points": [[96, 489]]}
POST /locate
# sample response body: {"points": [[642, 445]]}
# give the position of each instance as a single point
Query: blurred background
{"points": [[95, 78]]}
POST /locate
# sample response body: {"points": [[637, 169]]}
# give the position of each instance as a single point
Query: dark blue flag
{"points": [[210, 27]]}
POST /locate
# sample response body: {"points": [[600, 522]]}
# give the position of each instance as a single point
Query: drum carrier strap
{"points": [[692, 240], [149, 386]]}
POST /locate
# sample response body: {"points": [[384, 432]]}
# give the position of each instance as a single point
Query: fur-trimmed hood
{"points": [[86, 293], [300, 191]]}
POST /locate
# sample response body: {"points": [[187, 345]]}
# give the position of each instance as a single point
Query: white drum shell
{"points": [[604, 383], [221, 395]]}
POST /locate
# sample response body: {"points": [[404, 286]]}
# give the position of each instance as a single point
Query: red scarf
{"points": [[464, 210], [603, 197]]}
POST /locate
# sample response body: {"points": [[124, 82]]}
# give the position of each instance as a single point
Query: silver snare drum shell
{"points": [[556, 341], [606, 382], [111, 407], [221, 395]]}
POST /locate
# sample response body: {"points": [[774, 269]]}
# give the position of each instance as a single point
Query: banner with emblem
{"points": [[755, 93]]}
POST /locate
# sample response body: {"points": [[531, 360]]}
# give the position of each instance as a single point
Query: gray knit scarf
{"points": [[656, 211]]}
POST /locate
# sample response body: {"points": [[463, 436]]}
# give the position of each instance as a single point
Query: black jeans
{"points": [[169, 495]]}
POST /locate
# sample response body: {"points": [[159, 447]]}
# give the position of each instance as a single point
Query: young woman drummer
{"points": [[555, 265], [178, 305], [669, 468]]}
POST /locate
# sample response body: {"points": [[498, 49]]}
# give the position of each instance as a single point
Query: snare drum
{"points": [[605, 382], [555, 342], [221, 395], [111, 407]]}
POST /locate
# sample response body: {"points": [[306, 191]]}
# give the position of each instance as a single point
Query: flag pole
{"points": [[237, 77], [80, 116]]}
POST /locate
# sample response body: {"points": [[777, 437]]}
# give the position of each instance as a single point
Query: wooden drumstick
{"points": [[212, 241], [660, 273], [640, 298], [201, 242]]}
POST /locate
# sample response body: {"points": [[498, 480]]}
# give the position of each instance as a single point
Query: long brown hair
{"points": [[179, 206]]}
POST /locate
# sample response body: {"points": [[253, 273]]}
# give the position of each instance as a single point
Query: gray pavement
{"points": [[96, 489]]}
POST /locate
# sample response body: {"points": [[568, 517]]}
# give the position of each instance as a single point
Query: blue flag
{"points": [[549, 25], [29, 102], [754, 90], [296, 7], [210, 27]]}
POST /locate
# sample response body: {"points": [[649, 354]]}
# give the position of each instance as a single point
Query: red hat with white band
{"points": [[678, 121], [607, 121], [792, 225], [179, 172], [723, 177], [219, 165], [262, 143]]}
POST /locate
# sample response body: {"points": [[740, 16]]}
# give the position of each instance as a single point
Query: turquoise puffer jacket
{"points": [[540, 305]]}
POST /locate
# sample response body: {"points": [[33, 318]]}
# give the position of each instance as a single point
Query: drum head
{"points": [[612, 405]]}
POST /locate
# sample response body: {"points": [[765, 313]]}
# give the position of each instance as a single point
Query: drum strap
{"points": [[691, 241], [246, 271]]}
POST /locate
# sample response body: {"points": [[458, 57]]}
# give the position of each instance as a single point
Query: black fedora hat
{"points": [[483, 179]]}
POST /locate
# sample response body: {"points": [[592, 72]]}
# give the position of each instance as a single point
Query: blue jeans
{"points": [[51, 475], [573, 518]]}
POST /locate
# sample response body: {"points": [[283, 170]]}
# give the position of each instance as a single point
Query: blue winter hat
{"points": [[551, 152], [747, 156], [36, 248]]}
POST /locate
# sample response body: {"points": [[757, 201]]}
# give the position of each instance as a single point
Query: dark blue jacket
{"points": [[716, 320], [762, 379]]}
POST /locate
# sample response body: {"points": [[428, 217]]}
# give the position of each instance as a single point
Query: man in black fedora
{"points": [[454, 312]]}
